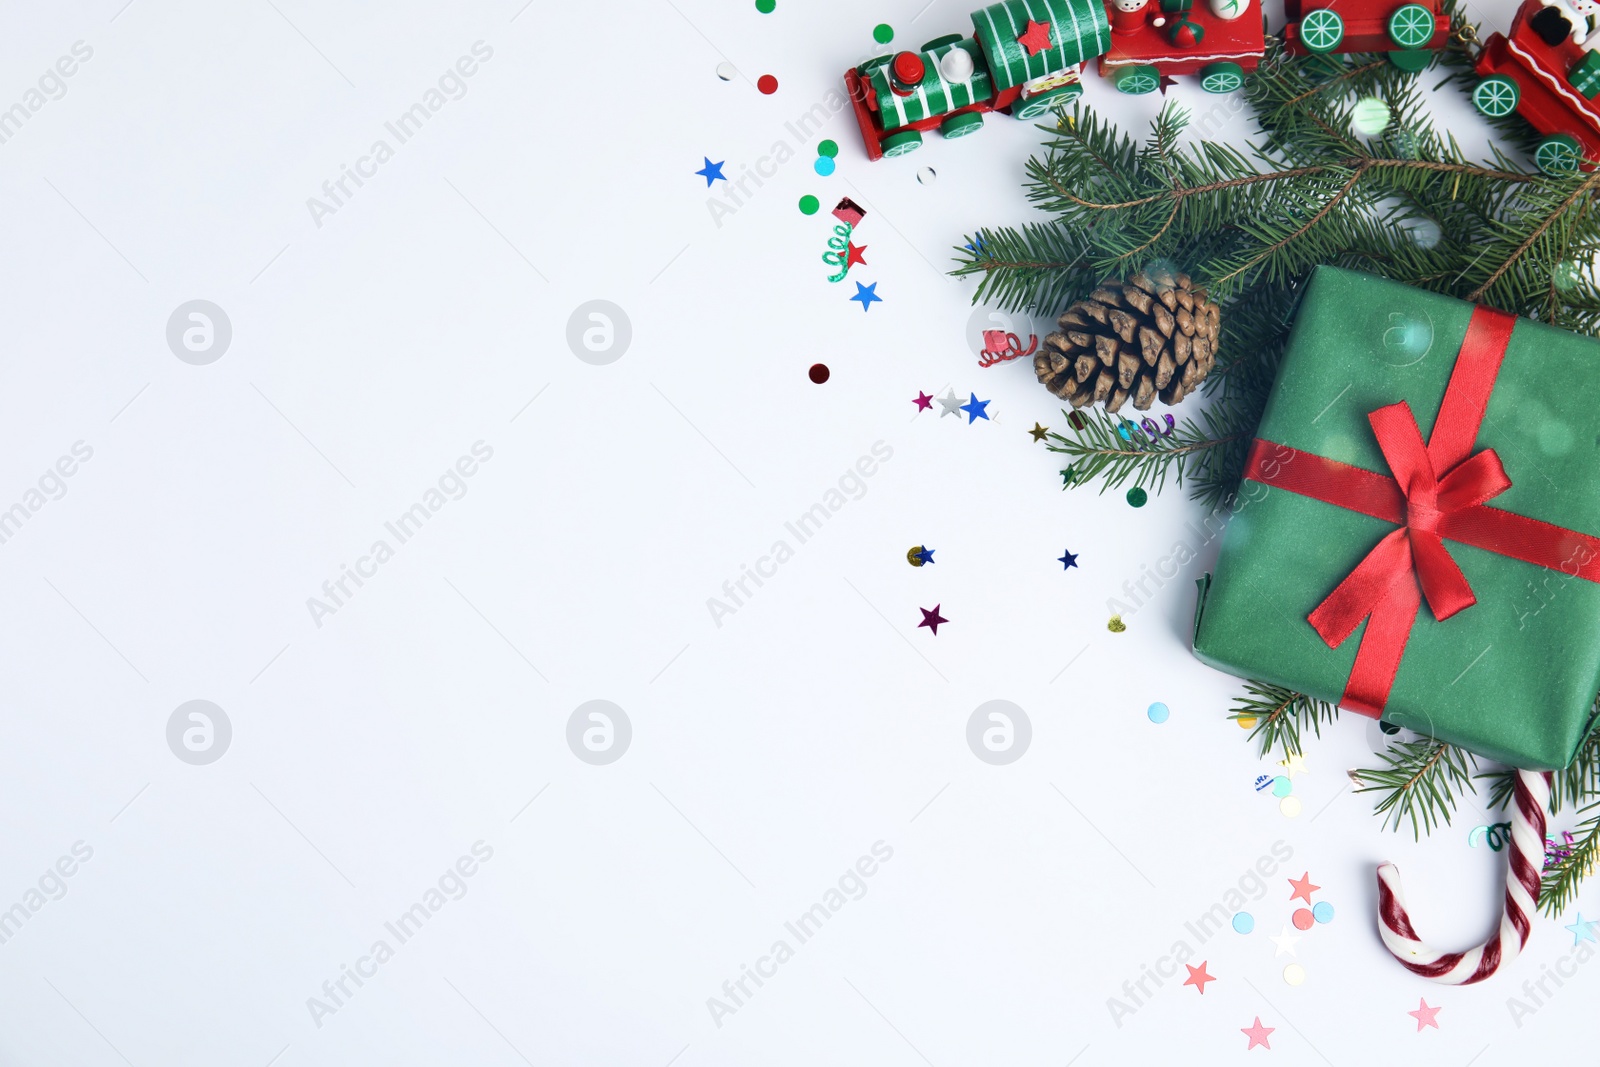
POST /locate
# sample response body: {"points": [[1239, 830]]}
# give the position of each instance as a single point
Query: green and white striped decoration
{"points": [[1585, 75], [936, 95], [1079, 30]]}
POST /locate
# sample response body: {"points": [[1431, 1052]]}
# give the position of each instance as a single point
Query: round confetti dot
{"points": [[927, 176], [823, 166], [1158, 712], [1281, 786], [818, 372], [1302, 919], [1137, 497], [1290, 807], [1244, 922], [1369, 116], [1322, 912], [914, 555], [767, 84], [766, 7], [727, 71], [809, 205], [829, 148], [1246, 722], [1077, 421], [1294, 974], [1116, 625], [883, 33]]}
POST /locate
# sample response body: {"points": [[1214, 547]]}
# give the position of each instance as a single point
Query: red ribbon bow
{"points": [[1437, 492]]}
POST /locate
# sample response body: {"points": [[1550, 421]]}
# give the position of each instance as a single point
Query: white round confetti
{"points": [[727, 72], [1290, 806], [1425, 232], [1369, 116], [927, 176], [1294, 974], [956, 65]]}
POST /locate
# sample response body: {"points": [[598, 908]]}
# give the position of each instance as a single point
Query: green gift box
{"points": [[1505, 490]]}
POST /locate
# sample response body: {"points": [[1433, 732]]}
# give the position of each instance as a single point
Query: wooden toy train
{"points": [[1025, 58]]}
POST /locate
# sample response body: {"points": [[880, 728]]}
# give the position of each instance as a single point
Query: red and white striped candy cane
{"points": [[1529, 800]]}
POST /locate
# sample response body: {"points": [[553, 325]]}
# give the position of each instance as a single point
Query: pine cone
{"points": [[1154, 334]]}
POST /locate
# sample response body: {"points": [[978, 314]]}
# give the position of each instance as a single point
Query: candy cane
{"points": [[1528, 802]]}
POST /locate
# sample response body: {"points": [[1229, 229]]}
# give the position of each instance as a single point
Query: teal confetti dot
{"points": [[823, 165], [829, 148], [1158, 712], [1322, 912], [1137, 497], [1244, 922], [883, 33], [1281, 786], [809, 205]]}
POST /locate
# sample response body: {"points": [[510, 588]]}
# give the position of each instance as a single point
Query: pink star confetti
{"points": [[1425, 1016], [1257, 1034]]}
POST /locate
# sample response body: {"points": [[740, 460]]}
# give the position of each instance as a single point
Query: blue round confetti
{"points": [[1244, 922], [1158, 712], [1322, 911], [1281, 786], [824, 165]]}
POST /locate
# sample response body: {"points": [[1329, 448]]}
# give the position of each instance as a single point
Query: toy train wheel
{"points": [[1321, 30], [1411, 60], [1558, 156], [1136, 81], [1411, 26], [962, 124], [1035, 106], [1496, 96], [1221, 77], [898, 144]]}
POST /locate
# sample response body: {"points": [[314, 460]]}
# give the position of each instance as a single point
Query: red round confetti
{"points": [[1303, 919], [767, 84], [819, 372], [1077, 420]]}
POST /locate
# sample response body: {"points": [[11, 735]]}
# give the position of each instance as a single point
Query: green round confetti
{"points": [[1137, 497], [809, 205], [883, 33], [829, 148], [766, 6]]}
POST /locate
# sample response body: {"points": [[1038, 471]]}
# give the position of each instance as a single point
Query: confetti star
{"points": [[925, 554], [1167, 80], [1069, 560], [1294, 765], [1425, 1016], [1303, 888], [1198, 978], [1038, 432], [866, 295], [711, 172], [931, 619], [1582, 931], [950, 403], [1257, 1033], [975, 409], [855, 255], [1285, 942], [923, 401], [1067, 476], [1036, 38]]}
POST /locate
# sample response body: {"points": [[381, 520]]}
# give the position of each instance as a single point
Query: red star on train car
{"points": [[1036, 38]]}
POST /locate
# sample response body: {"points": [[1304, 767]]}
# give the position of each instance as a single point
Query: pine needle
{"points": [[1420, 782], [1281, 716]]}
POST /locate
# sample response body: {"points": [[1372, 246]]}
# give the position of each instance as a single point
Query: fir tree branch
{"points": [[1419, 782], [1562, 878], [1281, 716]]}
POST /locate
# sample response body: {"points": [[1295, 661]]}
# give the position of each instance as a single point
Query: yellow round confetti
{"points": [[1290, 806], [914, 555], [1294, 974], [1246, 722]]}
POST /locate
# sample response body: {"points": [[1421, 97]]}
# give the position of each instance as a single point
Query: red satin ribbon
{"points": [[1437, 492]]}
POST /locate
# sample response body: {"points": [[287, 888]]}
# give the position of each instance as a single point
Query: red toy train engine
{"points": [[1538, 70]]}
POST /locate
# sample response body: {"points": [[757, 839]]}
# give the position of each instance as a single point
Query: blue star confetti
{"points": [[1068, 560], [711, 172], [925, 554], [975, 409], [1582, 931], [866, 295]]}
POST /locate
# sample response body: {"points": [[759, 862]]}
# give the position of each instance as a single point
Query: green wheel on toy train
{"points": [[1035, 106], [898, 144], [1136, 81], [1558, 156], [1321, 30], [940, 42], [1411, 60], [1221, 77], [1411, 26], [962, 124], [1496, 96]]}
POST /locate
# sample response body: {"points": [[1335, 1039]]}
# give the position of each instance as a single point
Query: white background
{"points": [[769, 753]]}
